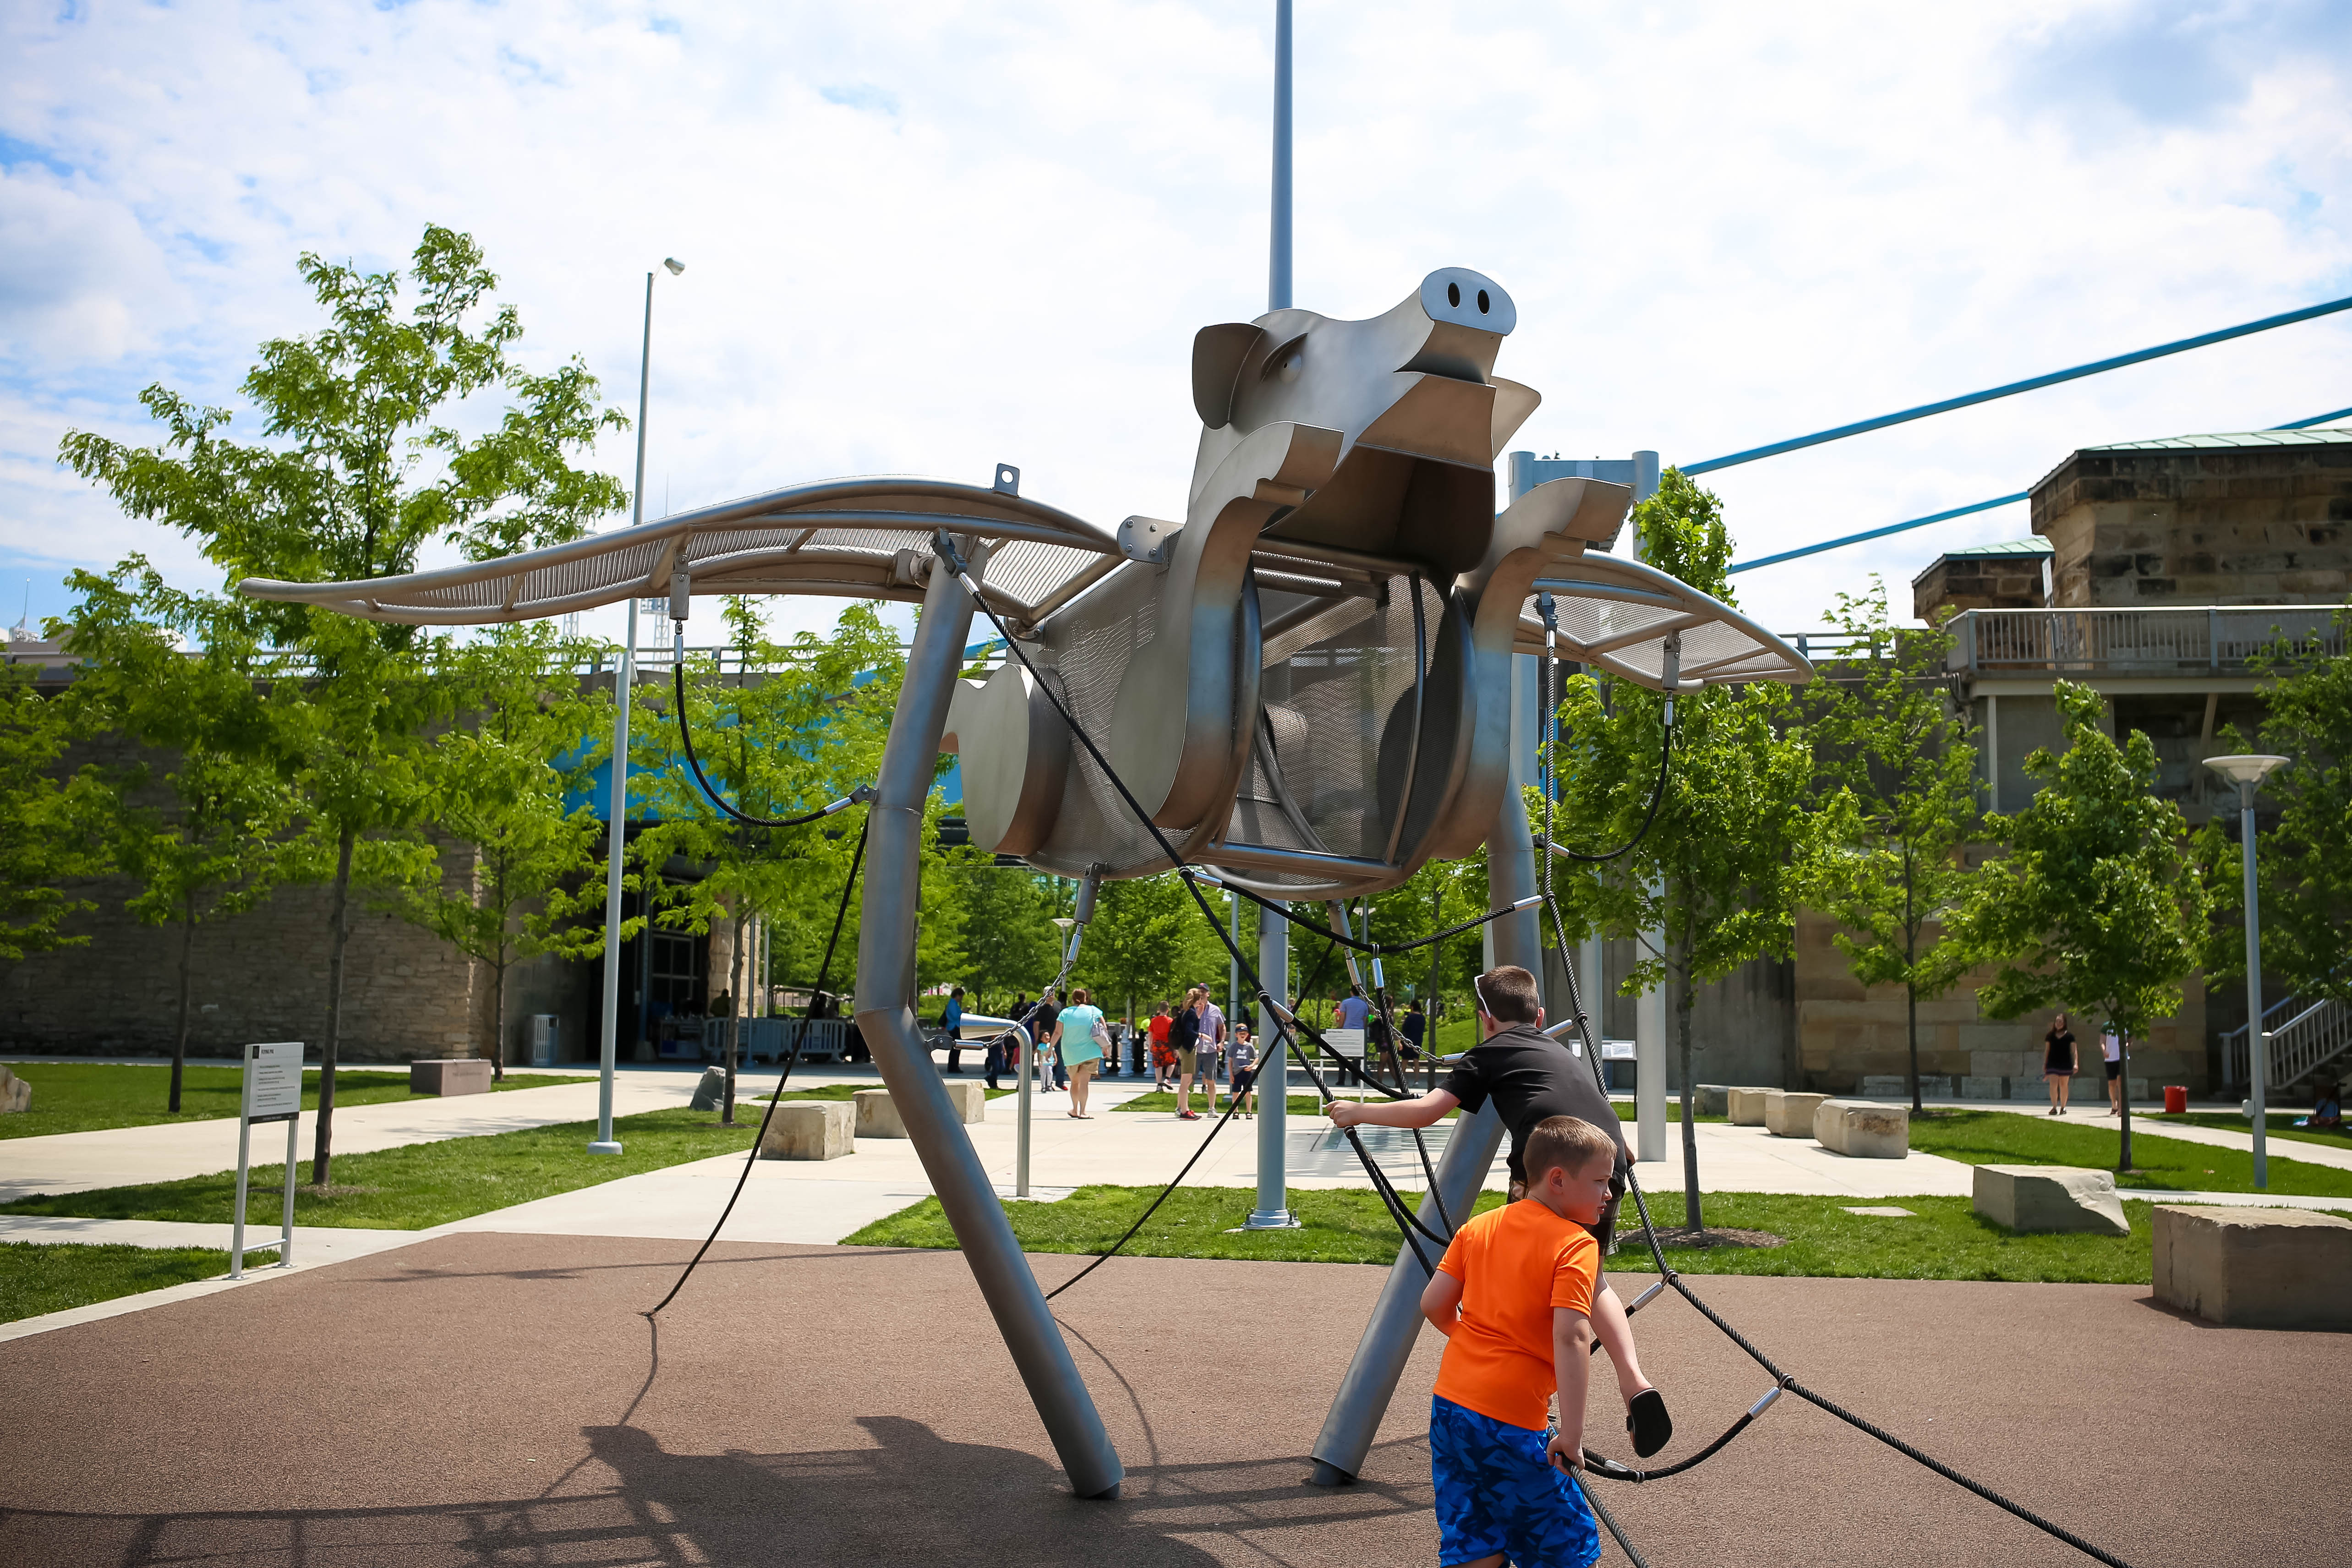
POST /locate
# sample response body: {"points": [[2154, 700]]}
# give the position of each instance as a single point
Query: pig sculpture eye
{"points": [[1454, 295], [1482, 302]]}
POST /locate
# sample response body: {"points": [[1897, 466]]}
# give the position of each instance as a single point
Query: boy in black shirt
{"points": [[1531, 1076]]}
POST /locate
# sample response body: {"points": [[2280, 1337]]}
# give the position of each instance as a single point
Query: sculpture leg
{"points": [[885, 997], [1371, 1380]]}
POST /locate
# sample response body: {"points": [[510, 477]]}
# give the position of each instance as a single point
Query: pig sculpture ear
{"points": [[1217, 355]]}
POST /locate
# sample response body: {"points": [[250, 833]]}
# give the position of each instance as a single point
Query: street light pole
{"points": [[616, 837], [2248, 772]]}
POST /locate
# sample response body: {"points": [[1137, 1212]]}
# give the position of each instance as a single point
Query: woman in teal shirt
{"points": [[1074, 1036]]}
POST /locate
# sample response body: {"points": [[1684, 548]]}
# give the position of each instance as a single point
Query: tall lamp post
{"points": [[608, 1049], [2247, 773]]}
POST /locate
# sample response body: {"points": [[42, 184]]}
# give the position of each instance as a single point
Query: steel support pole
{"points": [[608, 1036], [1387, 1345], [1272, 1210], [1277, 272], [2258, 1039], [886, 1016]]}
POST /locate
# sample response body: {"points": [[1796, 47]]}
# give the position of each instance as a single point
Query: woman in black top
{"points": [[2058, 1064]]}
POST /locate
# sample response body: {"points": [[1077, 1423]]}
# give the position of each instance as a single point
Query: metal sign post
{"points": [[273, 1092]]}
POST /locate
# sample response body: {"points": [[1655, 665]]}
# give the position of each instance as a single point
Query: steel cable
{"points": [[685, 738], [825, 973]]}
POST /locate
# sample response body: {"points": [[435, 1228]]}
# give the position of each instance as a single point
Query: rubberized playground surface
{"points": [[495, 1398]]}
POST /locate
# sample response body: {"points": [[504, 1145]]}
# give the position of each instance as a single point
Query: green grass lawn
{"points": [[37, 1278], [81, 1097], [2282, 1126], [420, 1184], [1943, 1240], [2004, 1137]]}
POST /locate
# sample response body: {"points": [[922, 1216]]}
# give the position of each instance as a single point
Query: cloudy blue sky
{"points": [[925, 236]]}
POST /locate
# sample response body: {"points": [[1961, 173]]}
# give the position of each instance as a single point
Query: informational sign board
{"points": [[1346, 1041], [1616, 1050], [273, 1092], [273, 1080]]}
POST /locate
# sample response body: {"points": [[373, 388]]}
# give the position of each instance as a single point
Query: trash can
{"points": [[540, 1032], [2176, 1099]]}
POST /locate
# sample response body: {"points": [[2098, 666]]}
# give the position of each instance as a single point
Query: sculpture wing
{"points": [[860, 538]]}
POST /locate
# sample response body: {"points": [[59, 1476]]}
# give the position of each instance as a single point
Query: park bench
{"points": [[1863, 1130], [463, 1075], [2255, 1268]]}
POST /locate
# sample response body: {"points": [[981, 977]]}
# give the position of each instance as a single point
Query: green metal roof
{"points": [[2323, 435], [2007, 546]]}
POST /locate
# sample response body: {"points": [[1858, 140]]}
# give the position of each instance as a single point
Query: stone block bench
{"points": [[878, 1118], [1861, 1129], [2255, 1268], [1745, 1107], [2049, 1198], [1789, 1115], [1709, 1100], [463, 1075], [810, 1130]]}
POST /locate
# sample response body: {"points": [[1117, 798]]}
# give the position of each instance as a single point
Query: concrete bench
{"points": [[463, 1075], [2049, 1198], [811, 1130], [1789, 1115], [1860, 1130], [15, 1095], [2255, 1268], [878, 1118], [1745, 1106], [1708, 1099]]}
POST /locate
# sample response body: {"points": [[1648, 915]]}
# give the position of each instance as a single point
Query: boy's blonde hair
{"points": [[1567, 1142]]}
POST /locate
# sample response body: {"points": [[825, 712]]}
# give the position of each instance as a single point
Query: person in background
{"points": [[1163, 1055], [1184, 1039], [1079, 1047], [1040, 1018], [2058, 1064], [2111, 1047], [1241, 1070], [1353, 1011], [1413, 1026], [1213, 1045], [951, 1021], [2327, 1108]]}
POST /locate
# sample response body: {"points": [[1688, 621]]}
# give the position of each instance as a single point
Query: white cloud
{"points": [[930, 236]]}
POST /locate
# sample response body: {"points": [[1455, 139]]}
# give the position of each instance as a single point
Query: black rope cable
{"points": [[1287, 1025], [1615, 1533], [686, 737], [1343, 939], [825, 973]]}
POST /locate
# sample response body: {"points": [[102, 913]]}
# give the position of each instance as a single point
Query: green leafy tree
{"points": [[2303, 863], [2098, 906], [219, 849], [361, 464], [495, 785], [1901, 777], [1009, 935], [1137, 939], [806, 725], [54, 819], [1719, 870]]}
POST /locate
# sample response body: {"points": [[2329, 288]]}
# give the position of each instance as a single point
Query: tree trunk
{"points": [[734, 1013], [1683, 996], [1911, 1001], [179, 1036], [2122, 1079], [499, 1016], [339, 935]]}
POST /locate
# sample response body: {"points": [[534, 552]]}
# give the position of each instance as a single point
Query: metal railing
{"points": [[2215, 640], [2310, 1039]]}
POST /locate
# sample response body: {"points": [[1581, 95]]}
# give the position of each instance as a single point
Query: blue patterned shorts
{"points": [[1495, 1492]]}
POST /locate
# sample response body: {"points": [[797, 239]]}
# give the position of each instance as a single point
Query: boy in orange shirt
{"points": [[1513, 1298]]}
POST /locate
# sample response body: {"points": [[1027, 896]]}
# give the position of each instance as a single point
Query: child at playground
{"points": [[1531, 1077], [1241, 1070], [1514, 1299]]}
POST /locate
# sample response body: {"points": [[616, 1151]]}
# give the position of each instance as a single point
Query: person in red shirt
{"points": [[1162, 1058], [1514, 1299]]}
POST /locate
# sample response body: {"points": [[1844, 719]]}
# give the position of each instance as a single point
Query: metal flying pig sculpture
{"points": [[1304, 681]]}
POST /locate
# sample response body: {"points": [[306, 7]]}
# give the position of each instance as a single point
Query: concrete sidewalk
{"points": [[123, 1156]]}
